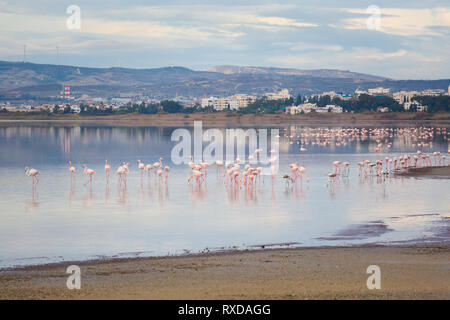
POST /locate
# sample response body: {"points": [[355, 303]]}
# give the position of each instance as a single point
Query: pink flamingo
{"points": [[303, 150], [197, 174], [148, 168], [166, 169], [336, 165], [32, 173], [120, 172], [219, 165], [160, 173], [107, 168], [71, 168], [88, 172], [141, 166], [157, 165]]}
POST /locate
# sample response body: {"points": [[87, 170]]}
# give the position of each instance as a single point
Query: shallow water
{"points": [[67, 220]]}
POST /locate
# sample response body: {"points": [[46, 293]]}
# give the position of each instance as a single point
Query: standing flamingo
{"points": [[303, 150], [107, 168], [336, 165], [141, 166], [157, 165], [71, 168], [88, 172], [166, 169], [32, 173]]}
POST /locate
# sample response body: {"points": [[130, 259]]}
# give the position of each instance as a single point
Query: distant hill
{"points": [[319, 73], [30, 81]]}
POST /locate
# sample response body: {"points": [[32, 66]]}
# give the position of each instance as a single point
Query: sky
{"points": [[397, 39]]}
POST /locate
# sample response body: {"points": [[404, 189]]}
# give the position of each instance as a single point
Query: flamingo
{"points": [[32, 173], [219, 164], [141, 166], [336, 165], [197, 174], [120, 172], [148, 168], [72, 169], [166, 169], [107, 168], [88, 172], [303, 150], [158, 164]]}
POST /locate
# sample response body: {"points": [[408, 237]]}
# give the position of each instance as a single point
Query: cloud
{"points": [[308, 34], [375, 54], [403, 22]]}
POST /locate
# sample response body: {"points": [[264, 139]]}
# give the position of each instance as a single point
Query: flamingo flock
{"points": [[243, 174]]}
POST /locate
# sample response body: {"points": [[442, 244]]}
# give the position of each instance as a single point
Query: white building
{"points": [[433, 92], [282, 94], [379, 91], [75, 109], [334, 108], [234, 102], [404, 96], [208, 102]]}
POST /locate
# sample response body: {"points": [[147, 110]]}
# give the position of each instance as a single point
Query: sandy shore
{"points": [[407, 272]]}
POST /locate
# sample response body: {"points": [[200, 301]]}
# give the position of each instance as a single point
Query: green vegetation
{"points": [[435, 104], [365, 102], [357, 104], [263, 105]]}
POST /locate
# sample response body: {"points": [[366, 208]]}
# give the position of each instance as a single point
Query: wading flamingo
{"points": [[141, 166], [32, 173], [72, 169], [88, 172], [107, 168], [166, 169]]}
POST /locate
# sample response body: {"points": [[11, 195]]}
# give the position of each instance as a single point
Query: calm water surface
{"points": [[66, 220]]}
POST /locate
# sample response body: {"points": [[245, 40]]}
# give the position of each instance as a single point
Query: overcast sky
{"points": [[412, 41]]}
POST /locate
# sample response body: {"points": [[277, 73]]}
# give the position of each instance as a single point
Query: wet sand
{"points": [[441, 172], [407, 272]]}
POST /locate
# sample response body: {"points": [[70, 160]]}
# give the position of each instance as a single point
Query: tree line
{"points": [[356, 104]]}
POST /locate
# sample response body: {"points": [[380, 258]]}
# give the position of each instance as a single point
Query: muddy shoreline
{"points": [[408, 272]]}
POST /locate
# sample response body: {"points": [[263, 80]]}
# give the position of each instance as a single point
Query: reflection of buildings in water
{"points": [[64, 142]]}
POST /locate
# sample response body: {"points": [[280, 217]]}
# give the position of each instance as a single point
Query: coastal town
{"points": [[292, 104]]}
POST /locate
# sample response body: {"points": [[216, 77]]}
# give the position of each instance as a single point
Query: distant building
{"points": [[383, 109], [380, 91], [358, 92], [331, 94], [75, 109], [334, 108], [119, 100], [312, 107], [433, 92], [345, 95], [280, 95], [208, 102], [234, 102]]}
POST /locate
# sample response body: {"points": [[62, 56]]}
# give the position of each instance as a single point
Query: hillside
{"points": [[42, 82], [318, 73]]}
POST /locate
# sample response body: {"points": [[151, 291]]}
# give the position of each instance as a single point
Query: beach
{"points": [[407, 272]]}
